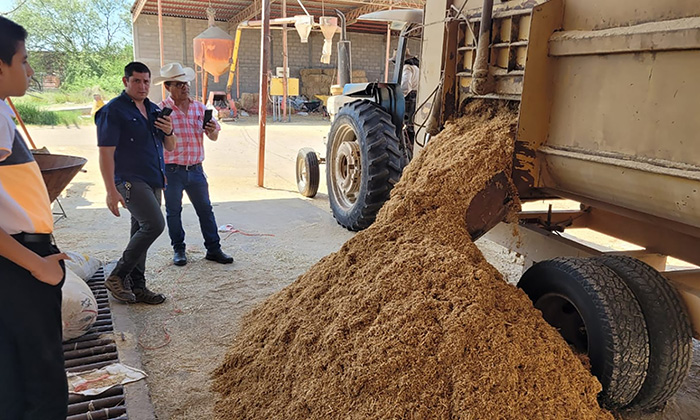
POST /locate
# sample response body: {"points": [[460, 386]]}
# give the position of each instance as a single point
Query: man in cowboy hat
{"points": [[184, 164], [131, 135]]}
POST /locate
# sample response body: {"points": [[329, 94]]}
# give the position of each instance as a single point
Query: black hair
{"points": [[135, 67], [413, 61], [11, 34]]}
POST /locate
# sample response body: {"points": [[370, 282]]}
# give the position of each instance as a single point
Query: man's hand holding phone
{"points": [[209, 125], [163, 121]]}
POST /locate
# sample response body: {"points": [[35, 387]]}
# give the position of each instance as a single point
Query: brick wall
{"points": [[368, 51]]}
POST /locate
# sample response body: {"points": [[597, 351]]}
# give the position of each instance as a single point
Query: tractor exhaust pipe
{"points": [[481, 84], [344, 56]]}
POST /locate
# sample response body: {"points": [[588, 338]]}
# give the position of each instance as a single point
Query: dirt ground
{"points": [[280, 235]]}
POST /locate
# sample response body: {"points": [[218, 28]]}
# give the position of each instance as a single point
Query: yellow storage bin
{"points": [[277, 87]]}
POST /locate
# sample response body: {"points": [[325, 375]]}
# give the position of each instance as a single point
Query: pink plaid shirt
{"points": [[189, 149]]}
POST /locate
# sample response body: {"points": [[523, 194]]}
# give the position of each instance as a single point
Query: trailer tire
{"points": [[668, 327], [308, 172], [597, 313], [363, 163]]}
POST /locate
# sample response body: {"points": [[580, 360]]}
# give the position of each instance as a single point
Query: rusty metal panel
{"points": [[449, 90], [538, 89]]}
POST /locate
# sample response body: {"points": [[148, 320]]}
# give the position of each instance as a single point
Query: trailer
{"points": [[607, 95]]}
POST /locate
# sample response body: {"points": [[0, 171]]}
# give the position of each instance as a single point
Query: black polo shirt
{"points": [[139, 144]]}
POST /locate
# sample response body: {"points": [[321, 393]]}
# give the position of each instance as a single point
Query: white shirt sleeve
{"points": [[406, 79], [7, 130], [409, 78]]}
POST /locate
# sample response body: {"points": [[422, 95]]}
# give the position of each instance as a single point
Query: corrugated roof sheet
{"points": [[227, 10]]}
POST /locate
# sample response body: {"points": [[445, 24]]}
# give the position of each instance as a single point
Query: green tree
{"points": [[87, 42]]}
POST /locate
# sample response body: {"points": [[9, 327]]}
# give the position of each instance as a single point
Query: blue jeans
{"points": [[194, 182]]}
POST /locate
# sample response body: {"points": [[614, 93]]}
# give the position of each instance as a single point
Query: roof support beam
{"points": [[367, 7], [136, 10], [246, 14], [351, 16], [376, 5]]}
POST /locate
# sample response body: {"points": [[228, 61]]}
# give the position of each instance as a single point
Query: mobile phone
{"points": [[165, 112], [207, 117]]}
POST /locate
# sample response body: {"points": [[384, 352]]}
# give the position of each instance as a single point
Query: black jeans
{"points": [[32, 377], [193, 181], [147, 223]]}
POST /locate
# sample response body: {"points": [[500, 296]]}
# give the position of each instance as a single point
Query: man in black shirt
{"points": [[131, 137]]}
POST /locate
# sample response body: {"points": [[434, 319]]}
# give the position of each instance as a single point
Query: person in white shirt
{"points": [[32, 376]]}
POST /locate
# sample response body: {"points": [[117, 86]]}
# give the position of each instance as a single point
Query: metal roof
{"points": [[235, 11]]}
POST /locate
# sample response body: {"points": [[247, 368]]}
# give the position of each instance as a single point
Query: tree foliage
{"points": [[85, 42]]}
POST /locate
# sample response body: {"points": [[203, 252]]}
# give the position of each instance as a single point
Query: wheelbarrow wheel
{"points": [[307, 172]]}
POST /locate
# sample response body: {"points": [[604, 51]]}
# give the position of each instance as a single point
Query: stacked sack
{"points": [[79, 307]]}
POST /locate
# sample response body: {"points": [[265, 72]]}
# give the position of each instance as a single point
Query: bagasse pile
{"points": [[408, 320]]}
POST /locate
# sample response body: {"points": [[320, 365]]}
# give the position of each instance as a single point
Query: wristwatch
{"points": [[171, 133]]}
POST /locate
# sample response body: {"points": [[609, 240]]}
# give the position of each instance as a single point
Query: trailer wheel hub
{"points": [[561, 313]]}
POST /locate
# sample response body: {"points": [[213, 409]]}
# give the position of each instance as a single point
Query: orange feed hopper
{"points": [[213, 49]]}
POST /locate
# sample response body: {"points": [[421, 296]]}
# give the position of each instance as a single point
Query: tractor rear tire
{"points": [[597, 313], [363, 163], [308, 173], [668, 326]]}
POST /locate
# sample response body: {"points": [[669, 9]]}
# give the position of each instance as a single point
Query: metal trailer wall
{"points": [[608, 95]]}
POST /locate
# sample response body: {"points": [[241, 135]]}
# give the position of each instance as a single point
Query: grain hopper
{"points": [[213, 51]]}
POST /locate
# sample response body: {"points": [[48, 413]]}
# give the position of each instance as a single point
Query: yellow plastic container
{"points": [[277, 86]]}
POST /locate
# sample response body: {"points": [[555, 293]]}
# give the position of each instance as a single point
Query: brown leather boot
{"points": [[146, 296], [120, 291]]}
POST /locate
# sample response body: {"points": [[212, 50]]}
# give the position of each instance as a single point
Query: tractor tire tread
{"points": [[383, 161]]}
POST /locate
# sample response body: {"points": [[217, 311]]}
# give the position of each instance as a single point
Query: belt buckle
{"points": [[187, 167]]}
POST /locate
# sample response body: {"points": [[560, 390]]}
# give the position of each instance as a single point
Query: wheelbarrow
{"points": [[58, 171]]}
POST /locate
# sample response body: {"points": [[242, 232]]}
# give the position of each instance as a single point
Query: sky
{"points": [[6, 5]]}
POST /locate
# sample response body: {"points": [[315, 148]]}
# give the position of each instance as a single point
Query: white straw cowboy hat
{"points": [[174, 72]]}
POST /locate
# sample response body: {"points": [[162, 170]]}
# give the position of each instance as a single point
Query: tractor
{"points": [[367, 147]]}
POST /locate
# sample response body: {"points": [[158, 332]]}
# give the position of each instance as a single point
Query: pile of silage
{"points": [[408, 320]]}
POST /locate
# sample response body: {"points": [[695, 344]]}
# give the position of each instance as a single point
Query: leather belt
{"points": [[34, 238], [185, 167]]}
